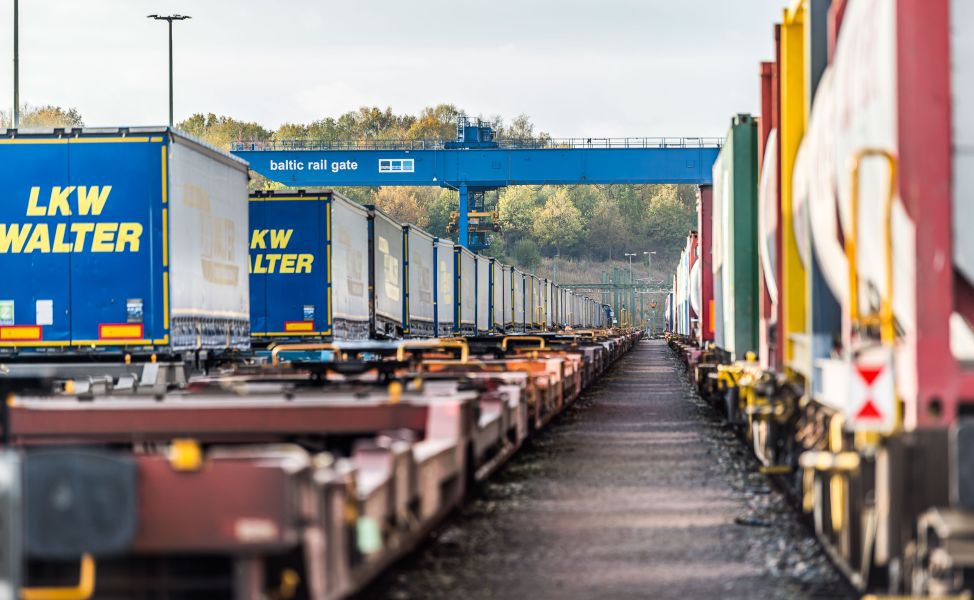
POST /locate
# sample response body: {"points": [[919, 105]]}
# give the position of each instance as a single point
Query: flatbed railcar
{"points": [[292, 479], [153, 264]]}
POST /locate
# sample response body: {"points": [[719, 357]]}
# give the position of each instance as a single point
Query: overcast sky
{"points": [[576, 67]]}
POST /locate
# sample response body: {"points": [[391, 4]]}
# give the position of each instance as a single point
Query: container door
{"points": [[349, 301], [445, 283], [257, 209], [388, 268], [119, 278], [34, 295], [288, 260]]}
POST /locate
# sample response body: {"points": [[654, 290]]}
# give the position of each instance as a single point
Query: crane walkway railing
{"points": [[505, 144]]}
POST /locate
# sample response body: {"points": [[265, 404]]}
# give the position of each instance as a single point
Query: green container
{"points": [[735, 251]]}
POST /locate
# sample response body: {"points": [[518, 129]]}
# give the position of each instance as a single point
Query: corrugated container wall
{"points": [[736, 172], [705, 205]]}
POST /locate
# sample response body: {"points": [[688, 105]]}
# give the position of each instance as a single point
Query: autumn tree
{"points": [[43, 116], [435, 123], [221, 131], [403, 204]]}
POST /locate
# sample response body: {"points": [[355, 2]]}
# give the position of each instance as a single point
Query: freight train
{"points": [[141, 242], [315, 256], [824, 301], [360, 374]]}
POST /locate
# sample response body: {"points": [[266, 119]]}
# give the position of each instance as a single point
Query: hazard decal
{"points": [[872, 395]]}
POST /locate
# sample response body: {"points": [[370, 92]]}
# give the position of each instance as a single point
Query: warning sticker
{"points": [[872, 392]]}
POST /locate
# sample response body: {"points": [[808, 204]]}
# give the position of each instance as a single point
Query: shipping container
{"points": [[770, 346], [498, 297], [121, 239], [538, 303], [551, 319], [445, 282], [566, 314], [465, 291], [309, 266], [572, 316], [483, 293], [735, 218], [531, 302], [704, 243], [508, 291], [517, 293], [419, 297], [386, 274], [668, 312], [793, 89]]}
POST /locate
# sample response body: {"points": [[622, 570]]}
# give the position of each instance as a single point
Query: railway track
{"points": [[637, 491]]}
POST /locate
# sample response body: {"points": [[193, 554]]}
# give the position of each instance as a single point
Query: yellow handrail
{"points": [[275, 359], [434, 344], [887, 322], [523, 338], [83, 591]]}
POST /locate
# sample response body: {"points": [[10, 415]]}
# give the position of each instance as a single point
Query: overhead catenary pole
{"points": [[16, 113], [169, 19]]}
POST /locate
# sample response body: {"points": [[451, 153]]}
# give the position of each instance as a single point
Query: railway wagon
{"points": [[324, 268], [299, 486], [122, 240], [861, 392]]}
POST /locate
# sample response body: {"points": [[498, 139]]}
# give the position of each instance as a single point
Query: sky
{"points": [[590, 68]]}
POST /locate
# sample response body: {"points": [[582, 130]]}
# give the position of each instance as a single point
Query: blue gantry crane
{"points": [[476, 162]]}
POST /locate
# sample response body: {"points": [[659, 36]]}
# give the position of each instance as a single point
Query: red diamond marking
{"points": [[869, 411]]}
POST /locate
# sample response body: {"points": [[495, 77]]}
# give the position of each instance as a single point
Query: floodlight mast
{"points": [[169, 19]]}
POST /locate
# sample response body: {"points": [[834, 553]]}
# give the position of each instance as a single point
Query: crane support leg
{"points": [[464, 230]]}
